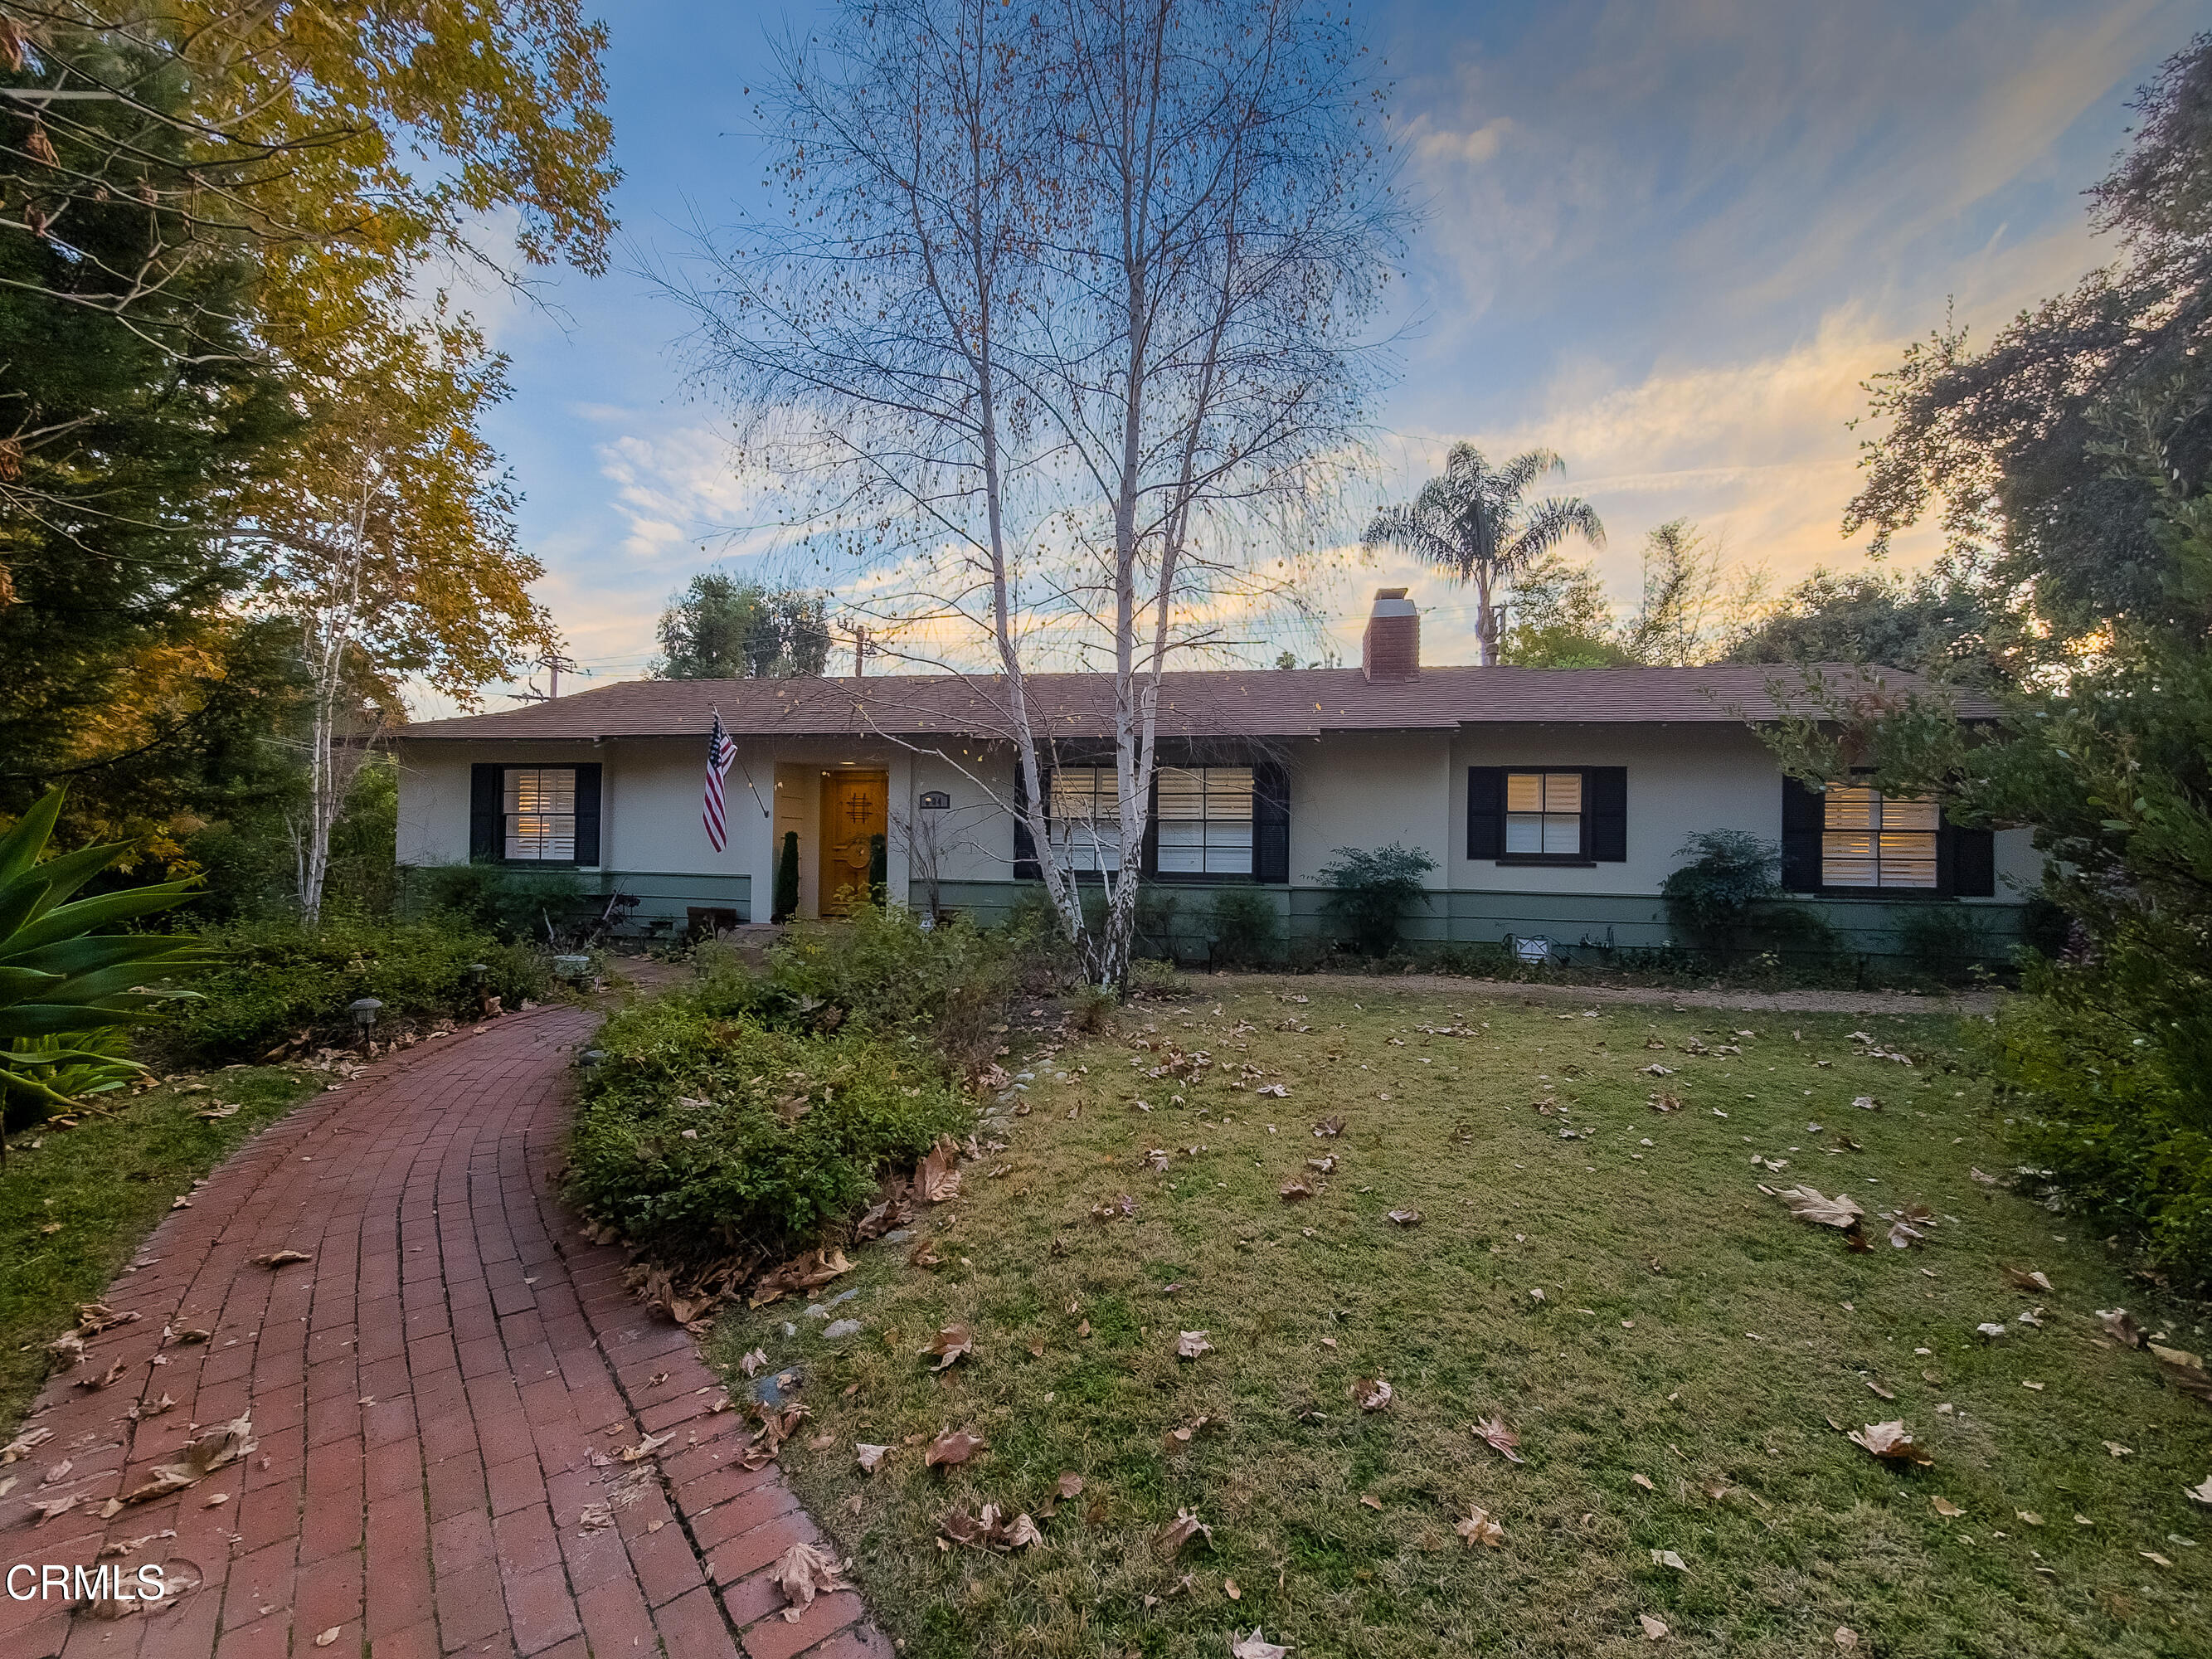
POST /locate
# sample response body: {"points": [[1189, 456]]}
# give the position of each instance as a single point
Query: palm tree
{"points": [[1472, 524]]}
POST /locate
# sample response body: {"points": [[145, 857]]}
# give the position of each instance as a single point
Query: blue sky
{"points": [[1669, 240]]}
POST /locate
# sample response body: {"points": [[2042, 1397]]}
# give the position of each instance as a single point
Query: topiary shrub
{"points": [[787, 879], [1246, 929], [1370, 892], [704, 1133], [1715, 897]]}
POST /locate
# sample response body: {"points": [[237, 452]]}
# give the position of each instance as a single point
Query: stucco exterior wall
{"points": [[1363, 789], [1368, 789]]}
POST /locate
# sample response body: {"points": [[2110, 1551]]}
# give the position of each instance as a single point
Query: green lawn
{"points": [[1689, 1332], [75, 1203]]}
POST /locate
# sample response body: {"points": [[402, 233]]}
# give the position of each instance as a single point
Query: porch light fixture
{"points": [[364, 1014]]}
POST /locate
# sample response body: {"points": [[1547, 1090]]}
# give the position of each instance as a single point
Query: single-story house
{"points": [[1554, 802]]}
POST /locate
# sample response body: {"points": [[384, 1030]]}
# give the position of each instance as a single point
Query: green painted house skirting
{"points": [[1584, 924]]}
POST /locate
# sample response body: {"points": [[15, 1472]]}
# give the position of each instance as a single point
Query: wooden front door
{"points": [[855, 809]]}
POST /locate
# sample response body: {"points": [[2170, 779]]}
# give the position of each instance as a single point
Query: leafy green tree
{"points": [[731, 628], [2071, 463], [2001, 446], [1916, 621], [1694, 600], [1475, 523], [208, 294], [1561, 617]]}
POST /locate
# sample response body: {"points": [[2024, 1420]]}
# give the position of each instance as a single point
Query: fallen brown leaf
{"points": [[201, 1456], [1294, 1190], [1252, 1645], [1372, 1392], [1493, 1432], [2023, 1278], [953, 1447], [1807, 1205], [802, 1273], [952, 1343], [2184, 1370], [1655, 1630], [2122, 1329], [937, 1177], [1479, 1528], [1191, 1344], [800, 1573], [1170, 1539], [281, 1258], [990, 1530], [1406, 1218], [1890, 1442]]}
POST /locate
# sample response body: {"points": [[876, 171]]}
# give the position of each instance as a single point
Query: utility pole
{"points": [[554, 662], [860, 651]]}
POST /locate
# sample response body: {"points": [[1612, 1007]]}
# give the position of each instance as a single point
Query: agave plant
{"points": [[64, 989]]}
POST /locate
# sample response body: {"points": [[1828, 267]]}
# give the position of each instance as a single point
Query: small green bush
{"points": [[1944, 942], [1090, 1008], [1713, 898], [510, 904], [2106, 1075], [276, 979], [1246, 929], [885, 972], [1150, 976], [1369, 892], [703, 1133]]}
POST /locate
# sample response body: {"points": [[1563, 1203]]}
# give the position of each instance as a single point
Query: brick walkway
{"points": [[429, 1394]]}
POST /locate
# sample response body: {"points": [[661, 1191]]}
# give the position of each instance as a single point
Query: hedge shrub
{"points": [[715, 1124], [276, 979], [2107, 1076]]}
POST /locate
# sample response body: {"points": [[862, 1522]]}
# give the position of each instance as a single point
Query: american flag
{"points": [[721, 754]]}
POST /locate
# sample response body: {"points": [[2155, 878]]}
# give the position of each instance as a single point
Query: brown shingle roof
{"points": [[1263, 702]]}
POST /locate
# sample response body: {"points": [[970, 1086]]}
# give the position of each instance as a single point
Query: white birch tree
{"points": [[1065, 333]]}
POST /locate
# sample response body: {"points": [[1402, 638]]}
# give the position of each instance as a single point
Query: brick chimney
{"points": [[1391, 647]]}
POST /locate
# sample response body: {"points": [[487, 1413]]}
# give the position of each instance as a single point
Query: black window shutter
{"points": [[588, 815], [1605, 803], [1803, 813], [1486, 812], [1973, 861], [1149, 853], [1026, 868], [485, 785], [1271, 821]]}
